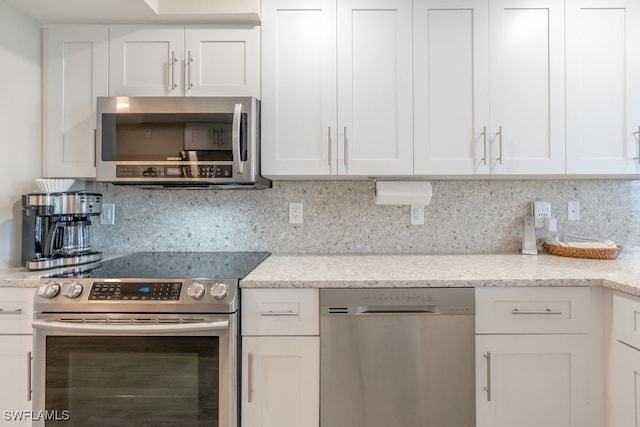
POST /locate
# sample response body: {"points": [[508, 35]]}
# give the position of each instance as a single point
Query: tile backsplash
{"points": [[341, 217]]}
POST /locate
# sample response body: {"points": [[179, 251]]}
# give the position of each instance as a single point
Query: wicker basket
{"points": [[590, 253]]}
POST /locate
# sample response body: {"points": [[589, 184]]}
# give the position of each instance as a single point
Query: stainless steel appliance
{"points": [[179, 141], [397, 357], [148, 339], [56, 229]]}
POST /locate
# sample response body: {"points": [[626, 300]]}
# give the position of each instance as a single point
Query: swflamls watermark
{"points": [[46, 415]]}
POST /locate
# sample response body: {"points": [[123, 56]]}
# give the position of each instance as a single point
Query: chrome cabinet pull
{"points": [[16, 311], [638, 133], [487, 388], [346, 151], [29, 390], [250, 378], [484, 144], [173, 71], [189, 62], [329, 146], [545, 311], [499, 134], [279, 313]]}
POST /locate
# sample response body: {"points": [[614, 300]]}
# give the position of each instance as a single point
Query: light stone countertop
{"points": [[459, 270], [456, 270]]}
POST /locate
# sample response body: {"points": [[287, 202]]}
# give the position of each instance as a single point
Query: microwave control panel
{"points": [[174, 171]]}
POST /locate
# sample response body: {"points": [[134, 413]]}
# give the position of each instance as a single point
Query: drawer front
{"points": [[16, 310], [280, 312], [533, 310], [626, 319]]}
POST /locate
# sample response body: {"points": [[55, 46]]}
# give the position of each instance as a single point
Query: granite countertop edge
{"points": [[419, 270]]}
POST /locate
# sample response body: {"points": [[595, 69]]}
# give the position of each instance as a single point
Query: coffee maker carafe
{"points": [[56, 229]]}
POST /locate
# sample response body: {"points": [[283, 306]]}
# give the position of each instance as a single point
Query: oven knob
{"points": [[219, 290], [49, 290], [73, 290], [196, 290]]}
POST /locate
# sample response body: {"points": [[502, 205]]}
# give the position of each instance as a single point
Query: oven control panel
{"points": [[135, 291]]}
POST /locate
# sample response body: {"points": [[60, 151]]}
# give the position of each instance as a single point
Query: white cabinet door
{"points": [[533, 381], [281, 381], [299, 109], [222, 62], [527, 91], [451, 86], [15, 387], [146, 61], [603, 89], [375, 90], [624, 386], [75, 73]]}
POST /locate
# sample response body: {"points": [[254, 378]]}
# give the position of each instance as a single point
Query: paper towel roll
{"points": [[403, 192]]}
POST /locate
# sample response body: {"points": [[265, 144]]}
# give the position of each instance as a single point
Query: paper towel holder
{"points": [[403, 192]]}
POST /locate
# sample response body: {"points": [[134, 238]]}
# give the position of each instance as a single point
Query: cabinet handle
{"points": [[484, 144], [346, 151], [279, 313], [16, 311], [173, 71], [189, 61], [29, 359], [487, 388], [499, 134], [250, 378], [638, 133], [329, 147], [545, 311]]}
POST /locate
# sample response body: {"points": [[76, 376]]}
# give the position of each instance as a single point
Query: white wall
{"points": [[20, 122]]}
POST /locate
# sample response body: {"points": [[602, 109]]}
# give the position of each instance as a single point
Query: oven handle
{"points": [[129, 329]]}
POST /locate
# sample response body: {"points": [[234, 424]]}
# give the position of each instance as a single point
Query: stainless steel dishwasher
{"points": [[397, 357]]}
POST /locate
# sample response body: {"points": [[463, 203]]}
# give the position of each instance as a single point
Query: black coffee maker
{"points": [[56, 229]]}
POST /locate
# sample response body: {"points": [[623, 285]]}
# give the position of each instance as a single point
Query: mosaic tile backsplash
{"points": [[475, 216]]}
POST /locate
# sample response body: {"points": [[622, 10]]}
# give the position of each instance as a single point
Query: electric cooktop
{"points": [[171, 265]]}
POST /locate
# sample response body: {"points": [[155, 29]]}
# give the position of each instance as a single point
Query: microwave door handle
{"points": [[236, 135]]}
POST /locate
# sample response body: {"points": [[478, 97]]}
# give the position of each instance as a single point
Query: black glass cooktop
{"points": [[174, 265]]}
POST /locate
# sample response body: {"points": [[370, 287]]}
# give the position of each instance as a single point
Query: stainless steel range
{"points": [[146, 339]]}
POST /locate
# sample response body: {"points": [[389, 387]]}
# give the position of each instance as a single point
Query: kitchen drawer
{"points": [[280, 312], [533, 310], [16, 310], [626, 319]]}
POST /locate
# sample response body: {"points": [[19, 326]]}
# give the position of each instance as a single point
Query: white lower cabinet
{"points": [[280, 358], [16, 343], [537, 358], [624, 365], [280, 381], [532, 381]]}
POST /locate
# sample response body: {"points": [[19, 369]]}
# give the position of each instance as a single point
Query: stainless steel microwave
{"points": [[184, 142]]}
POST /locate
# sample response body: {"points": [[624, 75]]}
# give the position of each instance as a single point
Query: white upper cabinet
{"points": [[358, 123], [375, 87], [299, 109], [75, 73], [527, 91], [603, 87], [174, 61], [451, 86], [489, 87]]}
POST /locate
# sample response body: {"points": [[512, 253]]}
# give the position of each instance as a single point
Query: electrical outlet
{"points": [[573, 210], [296, 215], [417, 214], [108, 214], [541, 210]]}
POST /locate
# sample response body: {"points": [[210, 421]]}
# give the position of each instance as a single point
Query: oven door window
{"points": [[133, 380]]}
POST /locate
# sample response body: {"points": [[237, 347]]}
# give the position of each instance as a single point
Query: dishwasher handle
{"points": [[394, 309]]}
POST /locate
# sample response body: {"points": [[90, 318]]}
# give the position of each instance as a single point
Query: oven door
{"points": [[144, 372]]}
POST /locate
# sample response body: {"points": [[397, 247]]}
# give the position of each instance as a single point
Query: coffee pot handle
{"points": [[54, 241]]}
